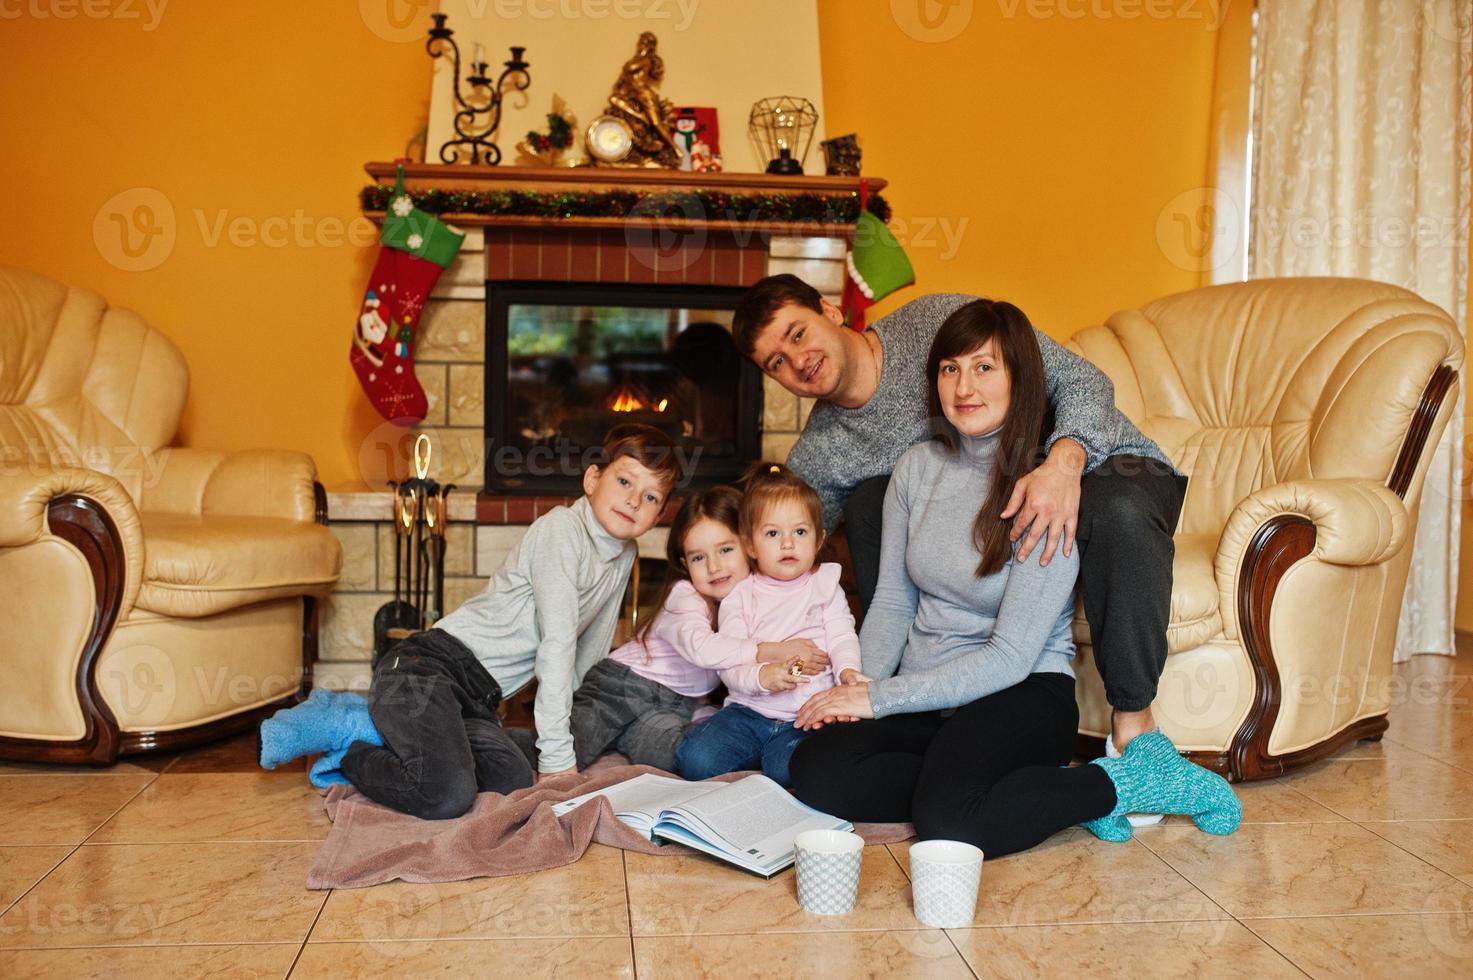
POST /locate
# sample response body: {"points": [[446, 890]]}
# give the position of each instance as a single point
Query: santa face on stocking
{"points": [[372, 329]]}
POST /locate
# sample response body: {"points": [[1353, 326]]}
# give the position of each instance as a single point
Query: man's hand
{"points": [[848, 702], [1047, 501]]}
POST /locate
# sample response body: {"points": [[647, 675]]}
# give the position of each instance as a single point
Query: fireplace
{"points": [[566, 361]]}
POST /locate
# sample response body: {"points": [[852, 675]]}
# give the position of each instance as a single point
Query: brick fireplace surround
{"points": [[450, 357]]}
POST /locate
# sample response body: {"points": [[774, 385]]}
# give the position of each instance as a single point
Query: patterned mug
{"points": [[944, 875], [828, 870]]}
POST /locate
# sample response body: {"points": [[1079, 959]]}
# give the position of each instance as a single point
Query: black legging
{"points": [[989, 774]]}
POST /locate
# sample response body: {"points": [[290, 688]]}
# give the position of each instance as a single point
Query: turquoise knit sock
{"points": [[325, 722], [1115, 829], [1152, 777]]}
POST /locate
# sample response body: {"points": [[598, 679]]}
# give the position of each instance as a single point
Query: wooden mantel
{"points": [[438, 176]]}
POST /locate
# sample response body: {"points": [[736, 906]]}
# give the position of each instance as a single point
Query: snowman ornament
{"points": [[686, 128]]}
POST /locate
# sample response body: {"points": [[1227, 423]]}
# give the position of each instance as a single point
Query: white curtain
{"points": [[1360, 168]]}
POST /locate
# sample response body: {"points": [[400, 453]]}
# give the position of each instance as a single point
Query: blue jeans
{"points": [[737, 738]]}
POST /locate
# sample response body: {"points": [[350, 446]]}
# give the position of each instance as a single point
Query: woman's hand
{"points": [[851, 676], [848, 702], [806, 652], [780, 677]]}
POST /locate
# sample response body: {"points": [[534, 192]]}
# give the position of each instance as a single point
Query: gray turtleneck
{"points": [[549, 611], [955, 637]]}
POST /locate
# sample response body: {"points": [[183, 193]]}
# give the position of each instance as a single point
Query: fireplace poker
{"points": [[422, 452], [433, 516], [392, 617], [442, 503]]}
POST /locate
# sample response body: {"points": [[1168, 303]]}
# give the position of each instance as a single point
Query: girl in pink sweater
{"points": [[785, 599], [639, 701]]}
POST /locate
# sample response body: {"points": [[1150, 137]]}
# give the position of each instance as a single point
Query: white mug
{"points": [[828, 870], [944, 875]]}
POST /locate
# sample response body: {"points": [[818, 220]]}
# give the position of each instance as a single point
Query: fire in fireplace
{"points": [[566, 361]]}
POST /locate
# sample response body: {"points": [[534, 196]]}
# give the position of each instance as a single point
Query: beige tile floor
{"points": [[194, 866]]}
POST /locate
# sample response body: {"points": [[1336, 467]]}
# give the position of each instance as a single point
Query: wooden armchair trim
{"points": [[84, 524], [1277, 546]]}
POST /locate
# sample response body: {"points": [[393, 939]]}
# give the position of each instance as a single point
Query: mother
{"points": [[970, 719]]}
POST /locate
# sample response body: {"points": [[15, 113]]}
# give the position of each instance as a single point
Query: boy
{"points": [[550, 611]]}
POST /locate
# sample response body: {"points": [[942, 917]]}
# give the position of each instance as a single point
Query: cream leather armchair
{"points": [[155, 597], [1305, 412]]}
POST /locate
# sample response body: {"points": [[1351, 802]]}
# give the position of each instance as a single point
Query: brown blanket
{"points": [[501, 835]]}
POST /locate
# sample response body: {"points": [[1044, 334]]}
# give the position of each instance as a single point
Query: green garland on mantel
{"points": [[697, 205]]}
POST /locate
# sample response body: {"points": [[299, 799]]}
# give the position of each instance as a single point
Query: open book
{"points": [[750, 823]]}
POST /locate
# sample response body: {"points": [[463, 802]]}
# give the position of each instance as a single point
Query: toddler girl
{"points": [[784, 599], [640, 700]]}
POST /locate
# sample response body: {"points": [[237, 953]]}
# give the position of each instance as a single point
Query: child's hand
{"points": [[851, 676], [779, 677], [542, 776], [813, 659]]}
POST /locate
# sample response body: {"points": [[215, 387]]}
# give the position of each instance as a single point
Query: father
{"points": [[1103, 481]]}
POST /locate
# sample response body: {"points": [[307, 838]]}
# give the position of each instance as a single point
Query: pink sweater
{"points": [[684, 651], [810, 607]]}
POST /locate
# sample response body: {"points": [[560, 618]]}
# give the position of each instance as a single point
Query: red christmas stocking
{"points": [[416, 249]]}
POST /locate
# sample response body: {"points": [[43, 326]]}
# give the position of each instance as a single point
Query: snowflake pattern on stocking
{"points": [[410, 306], [402, 205]]}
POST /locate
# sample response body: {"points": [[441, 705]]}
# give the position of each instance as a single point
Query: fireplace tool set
{"points": [[420, 507]]}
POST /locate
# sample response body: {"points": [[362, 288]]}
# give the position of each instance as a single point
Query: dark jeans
{"points": [[435, 706], [993, 773], [616, 709], [737, 738], [864, 514], [1128, 510]]}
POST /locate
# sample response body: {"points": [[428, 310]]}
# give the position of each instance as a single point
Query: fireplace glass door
{"points": [[566, 362]]}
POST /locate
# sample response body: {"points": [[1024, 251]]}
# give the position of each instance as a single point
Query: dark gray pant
{"points": [[864, 513], [435, 706], [616, 709], [1128, 510]]}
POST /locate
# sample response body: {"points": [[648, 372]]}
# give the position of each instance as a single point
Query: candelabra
{"points": [[475, 134]]}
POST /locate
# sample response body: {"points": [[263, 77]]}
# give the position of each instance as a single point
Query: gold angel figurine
{"points": [[636, 101]]}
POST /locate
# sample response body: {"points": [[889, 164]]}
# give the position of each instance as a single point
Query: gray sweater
{"points": [[954, 637], [842, 447], [549, 611]]}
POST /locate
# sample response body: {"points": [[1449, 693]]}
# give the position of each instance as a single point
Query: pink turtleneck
{"points": [[768, 610], [683, 651]]}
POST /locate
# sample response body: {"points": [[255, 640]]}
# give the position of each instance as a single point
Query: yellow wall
{"points": [[254, 111], [1031, 158], [1030, 155]]}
